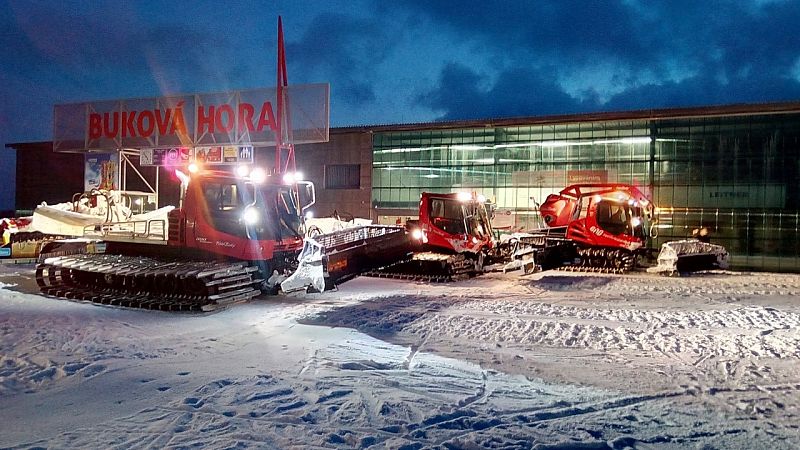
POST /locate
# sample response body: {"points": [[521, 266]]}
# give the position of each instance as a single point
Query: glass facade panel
{"points": [[737, 175]]}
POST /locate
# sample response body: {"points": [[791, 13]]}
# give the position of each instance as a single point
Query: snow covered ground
{"points": [[553, 360]]}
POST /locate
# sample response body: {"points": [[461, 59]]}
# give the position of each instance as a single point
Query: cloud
{"points": [[516, 92], [633, 32], [405, 61], [704, 90], [523, 92], [344, 49], [568, 30], [573, 56], [104, 53]]}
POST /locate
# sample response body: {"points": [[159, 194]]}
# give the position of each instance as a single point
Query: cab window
{"points": [[226, 203], [447, 215], [224, 196], [613, 217]]}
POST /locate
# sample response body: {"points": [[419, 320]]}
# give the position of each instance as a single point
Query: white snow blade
{"points": [[523, 258], [690, 255], [330, 259], [310, 270]]}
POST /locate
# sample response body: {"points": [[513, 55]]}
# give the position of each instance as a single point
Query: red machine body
{"points": [[609, 215], [455, 223], [238, 218], [605, 227]]}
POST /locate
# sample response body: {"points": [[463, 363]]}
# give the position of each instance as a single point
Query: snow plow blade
{"points": [[690, 255], [330, 259]]}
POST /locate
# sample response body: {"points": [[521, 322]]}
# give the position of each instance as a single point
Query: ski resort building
{"points": [[732, 169]]}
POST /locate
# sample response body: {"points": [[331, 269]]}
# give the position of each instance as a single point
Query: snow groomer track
{"points": [[428, 267], [138, 282]]}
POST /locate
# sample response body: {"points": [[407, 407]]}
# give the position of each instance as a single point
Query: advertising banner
{"points": [[195, 120], [503, 218], [178, 156], [171, 156], [560, 178], [100, 171]]}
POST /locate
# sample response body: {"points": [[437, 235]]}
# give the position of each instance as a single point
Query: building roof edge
{"points": [[649, 114]]}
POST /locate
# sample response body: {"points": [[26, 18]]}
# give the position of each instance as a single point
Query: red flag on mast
{"points": [[283, 139]]}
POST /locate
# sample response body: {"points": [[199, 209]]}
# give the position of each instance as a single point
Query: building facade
{"points": [[731, 169]]}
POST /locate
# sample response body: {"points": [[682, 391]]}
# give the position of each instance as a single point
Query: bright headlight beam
{"points": [[464, 196], [250, 216], [258, 175]]}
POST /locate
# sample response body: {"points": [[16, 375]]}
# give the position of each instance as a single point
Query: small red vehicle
{"points": [[454, 235], [595, 226]]}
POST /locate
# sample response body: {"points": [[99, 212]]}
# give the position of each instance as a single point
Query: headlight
{"points": [[416, 233], [250, 216], [292, 177], [258, 175], [242, 171]]}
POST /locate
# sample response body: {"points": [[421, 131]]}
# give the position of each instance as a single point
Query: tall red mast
{"points": [[283, 137]]}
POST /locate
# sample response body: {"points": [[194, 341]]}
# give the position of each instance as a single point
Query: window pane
{"points": [[343, 176]]}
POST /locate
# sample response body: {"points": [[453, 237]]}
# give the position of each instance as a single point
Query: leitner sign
{"points": [[195, 120]]}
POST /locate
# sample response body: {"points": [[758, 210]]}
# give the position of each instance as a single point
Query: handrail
{"points": [[152, 229]]}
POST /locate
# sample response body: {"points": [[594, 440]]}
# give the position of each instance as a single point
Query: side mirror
{"points": [[307, 194]]}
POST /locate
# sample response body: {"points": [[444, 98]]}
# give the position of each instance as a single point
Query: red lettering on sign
{"points": [[224, 118], [246, 112], [170, 121], [145, 131], [267, 117], [162, 120], [128, 119], [111, 131], [95, 126], [179, 122], [205, 121]]}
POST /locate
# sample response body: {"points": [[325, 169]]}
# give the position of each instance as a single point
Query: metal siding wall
{"points": [[344, 147]]}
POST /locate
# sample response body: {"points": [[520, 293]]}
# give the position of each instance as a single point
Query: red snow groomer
{"points": [[452, 240], [453, 236], [229, 237], [596, 227], [605, 227], [608, 223]]}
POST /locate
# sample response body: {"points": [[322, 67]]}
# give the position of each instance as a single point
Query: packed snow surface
{"points": [[552, 360]]}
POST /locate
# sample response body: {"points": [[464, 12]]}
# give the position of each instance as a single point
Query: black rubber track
{"points": [[147, 283], [603, 260]]}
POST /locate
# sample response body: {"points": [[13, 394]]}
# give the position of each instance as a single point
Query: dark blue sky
{"points": [[403, 61]]}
